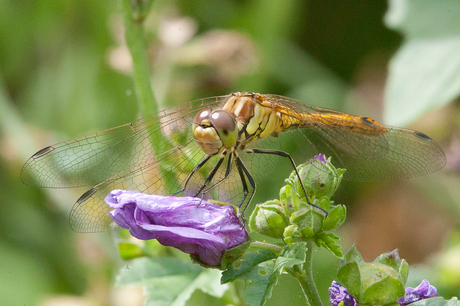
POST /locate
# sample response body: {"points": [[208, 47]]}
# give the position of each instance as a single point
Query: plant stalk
{"points": [[304, 275]]}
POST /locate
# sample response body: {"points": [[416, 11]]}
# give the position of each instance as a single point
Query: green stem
{"points": [[134, 34], [304, 275], [268, 246]]}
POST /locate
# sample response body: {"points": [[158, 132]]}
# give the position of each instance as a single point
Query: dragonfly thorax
{"points": [[214, 130]]}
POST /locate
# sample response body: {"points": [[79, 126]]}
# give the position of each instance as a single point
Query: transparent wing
{"points": [[122, 157], [396, 154]]}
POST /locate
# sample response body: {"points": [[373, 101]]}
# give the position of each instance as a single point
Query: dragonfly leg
{"points": [[227, 173], [243, 171], [197, 167], [211, 176], [285, 154]]}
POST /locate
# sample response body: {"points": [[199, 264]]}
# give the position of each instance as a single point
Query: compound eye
{"points": [[224, 121], [201, 115]]}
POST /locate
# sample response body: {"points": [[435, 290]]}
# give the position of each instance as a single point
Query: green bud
{"points": [[289, 232], [376, 283], [307, 217], [319, 177], [289, 199], [268, 219], [381, 284]]}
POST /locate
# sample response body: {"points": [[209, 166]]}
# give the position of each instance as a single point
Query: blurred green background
{"points": [[65, 71]]}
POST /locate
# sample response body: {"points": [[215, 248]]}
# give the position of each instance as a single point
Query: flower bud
{"points": [[320, 178], [197, 227], [422, 291], [365, 280], [268, 219]]}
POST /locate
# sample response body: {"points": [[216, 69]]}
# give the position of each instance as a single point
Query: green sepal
{"points": [[268, 219], [380, 282], [335, 218]]}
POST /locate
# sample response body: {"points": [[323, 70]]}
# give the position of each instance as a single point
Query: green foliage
{"points": [[169, 281], [59, 81], [437, 301], [424, 72], [378, 283], [293, 219]]}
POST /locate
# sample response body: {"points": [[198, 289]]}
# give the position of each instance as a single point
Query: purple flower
{"points": [[338, 293], [422, 291], [320, 158], [202, 229]]}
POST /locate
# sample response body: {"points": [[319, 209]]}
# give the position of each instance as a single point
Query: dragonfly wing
{"points": [[389, 153], [396, 154], [94, 158], [90, 212]]}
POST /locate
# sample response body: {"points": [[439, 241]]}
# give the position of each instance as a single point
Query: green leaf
{"points": [[245, 264], [329, 241], [256, 269], [207, 281], [295, 250], [335, 218], [437, 301], [385, 291], [424, 72], [168, 281], [349, 277], [233, 254], [352, 255], [393, 260], [404, 271], [291, 255], [422, 75], [259, 283]]}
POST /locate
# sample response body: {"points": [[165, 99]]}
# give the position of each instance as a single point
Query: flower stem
{"points": [[133, 13], [304, 275], [263, 245], [134, 34]]}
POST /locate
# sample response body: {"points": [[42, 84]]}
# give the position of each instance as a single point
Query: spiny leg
{"points": [[242, 171], [211, 176], [285, 154], [227, 173], [197, 167]]}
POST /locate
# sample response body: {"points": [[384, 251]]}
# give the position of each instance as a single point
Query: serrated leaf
{"points": [[295, 250], [328, 241], [286, 262], [245, 264]]}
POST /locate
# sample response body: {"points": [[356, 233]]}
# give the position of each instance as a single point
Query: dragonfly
{"points": [[219, 147]]}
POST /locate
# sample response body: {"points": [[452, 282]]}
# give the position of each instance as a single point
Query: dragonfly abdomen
{"points": [[357, 124]]}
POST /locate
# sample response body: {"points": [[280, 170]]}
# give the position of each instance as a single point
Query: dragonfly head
{"points": [[215, 129]]}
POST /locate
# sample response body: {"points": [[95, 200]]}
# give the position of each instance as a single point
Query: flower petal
{"points": [[194, 226]]}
